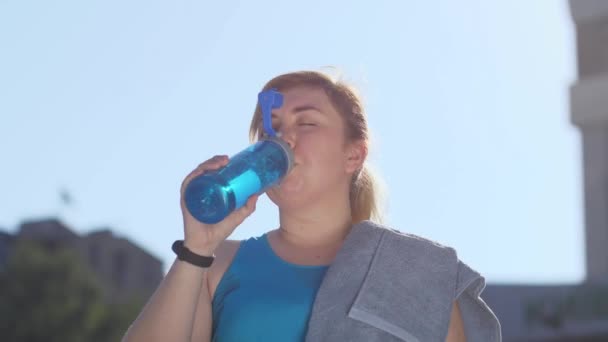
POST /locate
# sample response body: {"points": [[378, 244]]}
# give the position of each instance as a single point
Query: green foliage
{"points": [[48, 295]]}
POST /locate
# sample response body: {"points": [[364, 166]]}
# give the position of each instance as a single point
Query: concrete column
{"points": [[589, 110]]}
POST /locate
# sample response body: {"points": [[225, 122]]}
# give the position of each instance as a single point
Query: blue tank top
{"points": [[261, 297]]}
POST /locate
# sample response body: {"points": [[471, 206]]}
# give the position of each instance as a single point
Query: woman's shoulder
{"points": [[420, 252], [226, 250], [224, 254], [394, 238], [427, 252]]}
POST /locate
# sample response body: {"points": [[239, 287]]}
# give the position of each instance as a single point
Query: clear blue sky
{"points": [[467, 100]]}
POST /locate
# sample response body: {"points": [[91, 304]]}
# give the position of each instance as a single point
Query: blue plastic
{"points": [[212, 196], [269, 99]]}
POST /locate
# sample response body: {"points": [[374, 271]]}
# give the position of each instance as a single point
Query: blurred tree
{"points": [[47, 294]]}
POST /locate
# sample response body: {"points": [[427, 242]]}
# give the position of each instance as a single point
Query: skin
{"points": [[314, 216], [314, 207]]}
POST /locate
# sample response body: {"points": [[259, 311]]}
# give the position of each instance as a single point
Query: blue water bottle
{"points": [[213, 195]]}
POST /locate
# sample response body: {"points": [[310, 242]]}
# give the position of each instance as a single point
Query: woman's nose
{"points": [[288, 135]]}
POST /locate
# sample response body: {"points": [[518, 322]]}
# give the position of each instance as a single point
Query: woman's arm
{"points": [[456, 329], [169, 314], [183, 296]]}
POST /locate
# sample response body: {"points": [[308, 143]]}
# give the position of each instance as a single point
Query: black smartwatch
{"points": [[188, 256]]}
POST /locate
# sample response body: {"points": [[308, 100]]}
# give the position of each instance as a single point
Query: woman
{"points": [[264, 288]]}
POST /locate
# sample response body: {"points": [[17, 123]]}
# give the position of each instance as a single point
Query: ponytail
{"points": [[365, 197]]}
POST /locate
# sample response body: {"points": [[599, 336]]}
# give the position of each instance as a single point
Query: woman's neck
{"points": [[324, 226]]}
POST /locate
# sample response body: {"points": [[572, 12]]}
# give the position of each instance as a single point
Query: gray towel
{"points": [[388, 286]]}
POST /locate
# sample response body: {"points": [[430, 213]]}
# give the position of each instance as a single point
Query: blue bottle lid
{"points": [[269, 99]]}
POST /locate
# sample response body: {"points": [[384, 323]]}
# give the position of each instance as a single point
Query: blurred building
{"points": [[123, 269], [6, 240], [574, 312], [550, 312]]}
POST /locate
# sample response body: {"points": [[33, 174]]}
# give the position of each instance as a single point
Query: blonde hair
{"points": [[364, 191]]}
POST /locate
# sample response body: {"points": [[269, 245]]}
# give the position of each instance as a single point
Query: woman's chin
{"points": [[288, 190]]}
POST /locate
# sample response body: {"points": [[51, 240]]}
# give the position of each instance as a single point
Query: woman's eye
{"points": [[307, 124]]}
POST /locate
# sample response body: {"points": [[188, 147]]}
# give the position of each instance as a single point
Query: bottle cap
{"points": [[269, 99]]}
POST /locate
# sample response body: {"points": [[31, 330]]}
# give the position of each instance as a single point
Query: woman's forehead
{"points": [[306, 96]]}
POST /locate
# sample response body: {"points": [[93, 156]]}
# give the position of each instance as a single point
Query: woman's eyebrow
{"points": [[303, 108]]}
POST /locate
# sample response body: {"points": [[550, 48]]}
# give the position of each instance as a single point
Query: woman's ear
{"points": [[356, 155]]}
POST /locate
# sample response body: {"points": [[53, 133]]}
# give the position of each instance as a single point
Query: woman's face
{"points": [[310, 124]]}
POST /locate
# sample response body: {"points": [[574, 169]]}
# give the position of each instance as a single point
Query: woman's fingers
{"points": [[214, 163]]}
